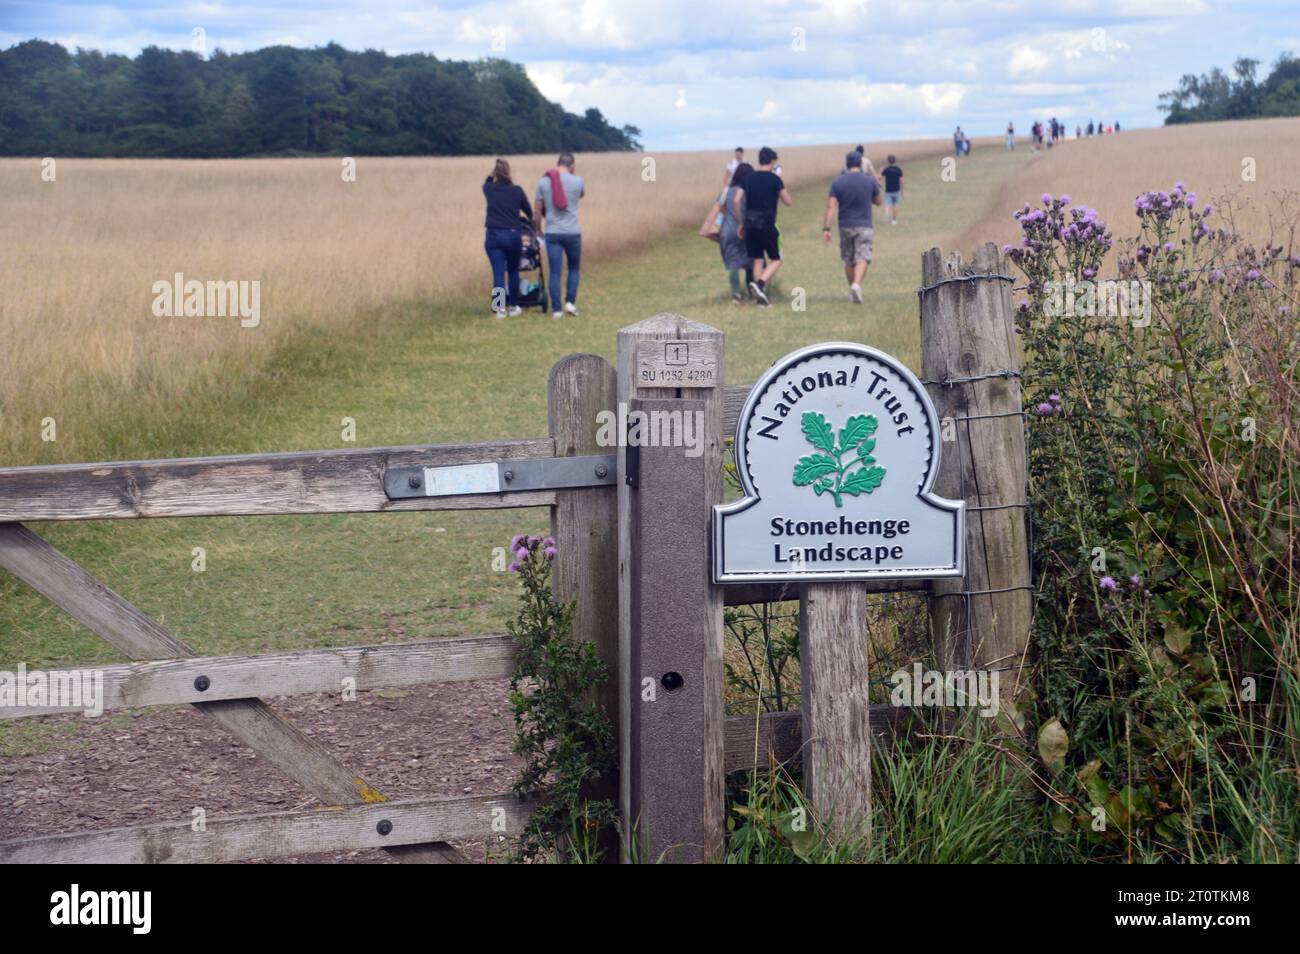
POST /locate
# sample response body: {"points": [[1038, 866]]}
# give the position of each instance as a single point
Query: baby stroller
{"points": [[532, 291]]}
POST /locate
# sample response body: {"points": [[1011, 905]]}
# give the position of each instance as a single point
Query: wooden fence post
{"points": [[584, 521], [584, 524], [835, 715], [971, 370], [673, 782]]}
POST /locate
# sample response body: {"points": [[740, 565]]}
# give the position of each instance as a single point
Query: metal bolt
{"points": [[413, 481], [384, 827], [202, 683], [602, 471], [509, 475]]}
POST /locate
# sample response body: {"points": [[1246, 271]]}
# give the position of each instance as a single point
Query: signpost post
{"points": [[837, 449]]}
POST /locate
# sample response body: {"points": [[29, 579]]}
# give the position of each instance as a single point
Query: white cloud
{"points": [[549, 80], [1026, 59], [769, 110], [942, 100]]}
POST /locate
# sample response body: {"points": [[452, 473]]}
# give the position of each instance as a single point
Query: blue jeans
{"points": [[503, 247], [568, 246]]}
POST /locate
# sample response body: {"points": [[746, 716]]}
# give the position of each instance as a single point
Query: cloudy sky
{"points": [[711, 73]]}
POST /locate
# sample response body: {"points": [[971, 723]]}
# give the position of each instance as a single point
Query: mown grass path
{"points": [[447, 373]]}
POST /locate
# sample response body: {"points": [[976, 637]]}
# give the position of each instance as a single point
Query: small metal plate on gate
{"points": [[462, 479], [494, 477]]}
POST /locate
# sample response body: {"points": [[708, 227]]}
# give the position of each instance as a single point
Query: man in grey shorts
{"points": [[853, 193]]}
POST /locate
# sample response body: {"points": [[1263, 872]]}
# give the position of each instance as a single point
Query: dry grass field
{"points": [[1107, 172], [82, 253]]}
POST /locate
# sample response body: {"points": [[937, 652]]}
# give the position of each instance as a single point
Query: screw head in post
{"points": [[202, 684], [384, 827]]}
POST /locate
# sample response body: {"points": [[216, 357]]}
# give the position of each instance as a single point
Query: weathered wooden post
{"points": [[833, 705], [581, 394], [971, 369], [581, 388], [672, 781]]}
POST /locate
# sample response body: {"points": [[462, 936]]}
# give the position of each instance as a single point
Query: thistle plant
{"points": [[1162, 456], [561, 731]]}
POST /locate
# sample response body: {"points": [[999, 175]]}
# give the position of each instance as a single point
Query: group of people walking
{"points": [[743, 220], [1046, 135], [551, 220]]}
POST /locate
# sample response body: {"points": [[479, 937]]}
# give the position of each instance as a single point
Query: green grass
{"points": [[441, 373]]}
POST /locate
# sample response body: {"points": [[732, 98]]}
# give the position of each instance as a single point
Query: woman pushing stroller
{"points": [[508, 211]]}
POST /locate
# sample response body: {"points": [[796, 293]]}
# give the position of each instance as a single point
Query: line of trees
{"points": [[280, 101], [1216, 95]]}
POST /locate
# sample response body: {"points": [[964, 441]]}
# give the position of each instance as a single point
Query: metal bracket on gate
{"points": [[494, 477]]}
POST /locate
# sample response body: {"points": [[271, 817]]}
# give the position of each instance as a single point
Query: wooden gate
{"points": [[228, 688], [632, 535]]}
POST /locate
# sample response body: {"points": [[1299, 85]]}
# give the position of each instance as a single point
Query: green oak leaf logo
{"points": [[829, 472]]}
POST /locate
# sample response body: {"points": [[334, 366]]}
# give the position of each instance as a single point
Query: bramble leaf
{"points": [[1053, 743]]}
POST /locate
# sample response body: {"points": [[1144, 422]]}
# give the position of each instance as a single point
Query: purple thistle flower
{"points": [[1065, 200], [1108, 583], [548, 542], [513, 568], [1045, 409], [522, 553], [1135, 580], [514, 541], [1047, 198], [1054, 398], [550, 553]]}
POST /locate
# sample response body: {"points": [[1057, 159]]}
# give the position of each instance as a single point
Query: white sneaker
{"points": [[515, 312], [855, 294], [557, 315], [499, 314], [571, 308]]}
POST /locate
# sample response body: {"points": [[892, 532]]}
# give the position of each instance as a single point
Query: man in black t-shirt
{"points": [[762, 190], [893, 188]]}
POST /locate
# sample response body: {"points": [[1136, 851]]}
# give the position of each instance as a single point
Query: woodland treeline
{"points": [[280, 101]]}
